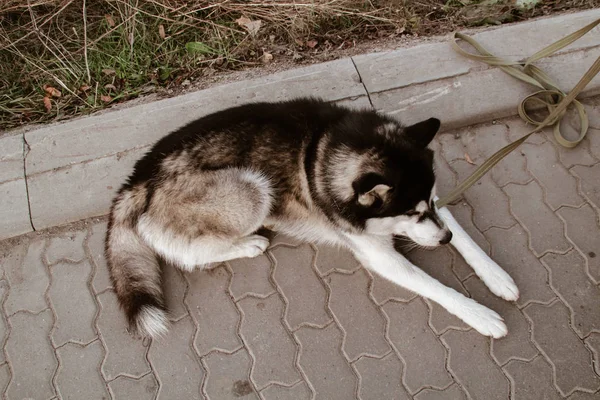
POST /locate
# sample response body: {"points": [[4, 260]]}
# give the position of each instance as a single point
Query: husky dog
{"points": [[306, 168]]}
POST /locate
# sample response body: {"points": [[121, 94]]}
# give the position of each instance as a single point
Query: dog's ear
{"points": [[422, 133], [372, 189]]}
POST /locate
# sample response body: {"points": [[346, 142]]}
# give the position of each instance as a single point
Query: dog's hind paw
{"points": [[482, 319], [252, 246]]}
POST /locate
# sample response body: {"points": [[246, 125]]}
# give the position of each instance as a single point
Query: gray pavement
{"points": [[303, 322]]}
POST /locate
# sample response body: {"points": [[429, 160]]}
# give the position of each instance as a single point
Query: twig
{"points": [[85, 54]]}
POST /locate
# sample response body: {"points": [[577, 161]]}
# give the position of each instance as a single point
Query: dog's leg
{"points": [[494, 277], [378, 254]]}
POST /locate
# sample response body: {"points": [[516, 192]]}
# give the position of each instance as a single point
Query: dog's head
{"points": [[394, 192]]}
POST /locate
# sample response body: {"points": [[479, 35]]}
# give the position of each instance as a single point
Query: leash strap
{"points": [[549, 95]]}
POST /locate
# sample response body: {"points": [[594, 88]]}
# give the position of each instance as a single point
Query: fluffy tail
{"points": [[135, 270]]}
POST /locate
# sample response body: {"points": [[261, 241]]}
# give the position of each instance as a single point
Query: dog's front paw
{"points": [[252, 246], [500, 283], [482, 319]]}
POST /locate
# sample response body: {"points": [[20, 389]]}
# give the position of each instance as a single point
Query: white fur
{"points": [[152, 322]]}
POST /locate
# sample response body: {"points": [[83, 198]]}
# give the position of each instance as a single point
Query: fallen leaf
{"points": [[105, 98], [52, 91], [47, 103], [109, 20], [108, 71], [312, 43], [267, 57], [84, 88], [251, 26], [110, 86], [468, 159], [161, 31]]}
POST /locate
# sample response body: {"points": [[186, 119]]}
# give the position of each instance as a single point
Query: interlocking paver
{"points": [[583, 230], [582, 153], [593, 343], [589, 182], [299, 391], [517, 128], [270, 344], [228, 376], [594, 138], [509, 250], [73, 303], [321, 360], [280, 239], [544, 228], [68, 247], [27, 276], [517, 343], [305, 303], [469, 349], [331, 258], [3, 323], [446, 178], [175, 363], [174, 286], [78, 375], [124, 353], [531, 380], [95, 243], [144, 388], [410, 334], [251, 276], [571, 360], [383, 290], [489, 203], [452, 392], [359, 317], [213, 310], [30, 356], [381, 379], [582, 296], [560, 187], [4, 377], [584, 396]]}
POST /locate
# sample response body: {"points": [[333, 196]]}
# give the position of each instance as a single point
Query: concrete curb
{"points": [[70, 171]]}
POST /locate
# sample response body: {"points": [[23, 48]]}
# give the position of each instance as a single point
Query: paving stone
{"points": [[594, 139], [582, 296], [560, 345], [3, 324], [593, 343], [452, 392], [78, 191], [584, 396], [213, 311], [544, 228], [482, 141], [144, 388], [73, 303], [438, 264], [124, 353], [583, 230], [361, 320], [14, 211], [101, 280], [359, 103], [4, 377], [489, 203], [271, 346], [410, 333], [510, 251], [589, 182], [228, 376], [444, 175], [321, 360], [468, 349], [27, 276], [517, 128], [279, 239], [331, 258], [531, 380], [68, 247], [450, 145], [174, 286], [380, 379], [560, 187], [79, 376], [11, 158], [30, 355], [299, 391], [251, 276], [383, 290], [175, 363], [517, 343], [305, 302], [582, 153]]}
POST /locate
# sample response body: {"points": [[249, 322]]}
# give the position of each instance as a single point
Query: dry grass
{"points": [[60, 58]]}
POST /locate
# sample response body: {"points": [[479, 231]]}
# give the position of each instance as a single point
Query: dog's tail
{"points": [[134, 267]]}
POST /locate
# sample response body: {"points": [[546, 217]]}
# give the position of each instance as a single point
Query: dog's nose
{"points": [[447, 238]]}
